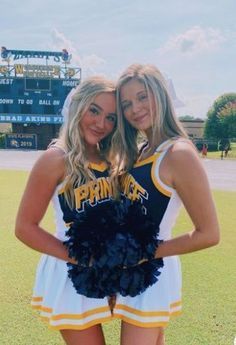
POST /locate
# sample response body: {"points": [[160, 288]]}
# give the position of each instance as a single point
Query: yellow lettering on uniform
{"points": [[125, 184], [93, 192], [137, 190], [102, 189], [19, 69], [131, 188], [81, 194], [107, 189], [129, 184]]}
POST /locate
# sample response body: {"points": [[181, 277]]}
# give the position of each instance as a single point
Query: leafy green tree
{"points": [[220, 121], [228, 120]]}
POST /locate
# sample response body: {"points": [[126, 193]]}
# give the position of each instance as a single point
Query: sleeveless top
{"points": [[54, 294], [143, 183], [92, 193]]}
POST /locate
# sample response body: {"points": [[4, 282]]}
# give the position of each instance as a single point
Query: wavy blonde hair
{"points": [[71, 139], [165, 125]]}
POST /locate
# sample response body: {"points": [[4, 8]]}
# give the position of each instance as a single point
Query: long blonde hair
{"points": [[71, 139], [165, 125]]}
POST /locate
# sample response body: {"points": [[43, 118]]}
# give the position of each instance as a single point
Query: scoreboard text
{"points": [[44, 97]]}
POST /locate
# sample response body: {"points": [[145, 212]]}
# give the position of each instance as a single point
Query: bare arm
{"points": [[191, 183], [47, 173]]}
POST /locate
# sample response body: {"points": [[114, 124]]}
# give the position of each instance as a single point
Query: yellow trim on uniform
{"points": [[71, 316], [147, 313], [176, 304], [156, 182], [37, 299], [76, 327], [41, 308], [95, 311], [62, 190], [98, 166], [141, 313], [153, 159], [141, 324], [80, 316], [176, 313], [156, 153], [144, 161]]}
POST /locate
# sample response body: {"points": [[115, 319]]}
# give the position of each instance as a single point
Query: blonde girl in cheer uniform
{"points": [[73, 173], [162, 174]]}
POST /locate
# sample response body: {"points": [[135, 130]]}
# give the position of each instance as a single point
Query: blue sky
{"points": [[192, 42]]}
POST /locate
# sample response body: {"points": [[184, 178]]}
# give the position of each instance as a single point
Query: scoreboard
{"points": [[35, 92], [33, 89], [29, 100]]}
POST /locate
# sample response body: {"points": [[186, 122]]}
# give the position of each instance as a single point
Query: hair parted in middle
{"points": [[164, 126], [71, 139]]}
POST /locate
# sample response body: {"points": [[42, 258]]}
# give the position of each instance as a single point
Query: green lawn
{"points": [[209, 314]]}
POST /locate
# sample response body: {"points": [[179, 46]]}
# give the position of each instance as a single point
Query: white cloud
{"points": [[196, 106], [90, 64], [60, 41], [194, 41]]}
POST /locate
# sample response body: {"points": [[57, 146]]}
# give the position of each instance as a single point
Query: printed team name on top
{"points": [[93, 192], [132, 189]]}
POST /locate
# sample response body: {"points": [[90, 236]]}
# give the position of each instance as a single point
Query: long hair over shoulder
{"points": [[165, 124], [71, 139]]}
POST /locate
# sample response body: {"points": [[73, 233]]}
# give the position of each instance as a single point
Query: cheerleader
{"points": [[161, 173], [73, 174]]}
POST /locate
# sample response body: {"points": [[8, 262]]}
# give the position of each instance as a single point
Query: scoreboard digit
{"points": [[32, 84]]}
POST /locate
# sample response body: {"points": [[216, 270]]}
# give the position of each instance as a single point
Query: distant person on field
{"points": [[226, 150], [204, 150]]}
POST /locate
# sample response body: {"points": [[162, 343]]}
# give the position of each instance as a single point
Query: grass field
{"points": [[209, 315]]}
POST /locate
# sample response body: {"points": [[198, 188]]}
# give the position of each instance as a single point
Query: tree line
{"points": [[221, 118]]}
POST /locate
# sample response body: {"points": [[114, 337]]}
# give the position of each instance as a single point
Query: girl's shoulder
{"points": [[51, 163], [183, 158], [58, 145], [182, 147], [53, 154], [179, 152], [182, 143], [177, 142], [181, 165]]}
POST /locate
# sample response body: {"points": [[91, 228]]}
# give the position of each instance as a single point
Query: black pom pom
{"points": [[108, 242]]}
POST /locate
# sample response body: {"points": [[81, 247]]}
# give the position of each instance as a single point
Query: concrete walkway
{"points": [[221, 173]]}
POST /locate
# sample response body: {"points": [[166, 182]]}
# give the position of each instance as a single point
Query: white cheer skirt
{"points": [[63, 308]]}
